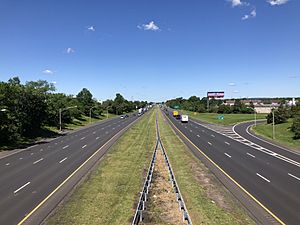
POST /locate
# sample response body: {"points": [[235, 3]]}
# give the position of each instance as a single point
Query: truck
{"points": [[140, 110], [184, 118], [175, 114]]}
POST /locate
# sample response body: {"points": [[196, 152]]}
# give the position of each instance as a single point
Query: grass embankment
{"points": [[229, 119], [283, 134], [110, 193], [207, 200], [52, 132]]}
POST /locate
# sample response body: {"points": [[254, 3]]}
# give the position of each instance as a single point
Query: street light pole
{"points": [[273, 120], [254, 118], [60, 110]]}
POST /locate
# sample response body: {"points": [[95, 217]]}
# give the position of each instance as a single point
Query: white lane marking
{"points": [[203, 131], [97, 138], [37, 161], [83, 146], [114, 128], [294, 176], [20, 188], [63, 160], [253, 156], [65, 147], [198, 135], [227, 143], [102, 128], [31, 153], [41, 150], [82, 138], [7, 164], [191, 131], [55, 143], [227, 155], [263, 177], [213, 135], [62, 141], [94, 132], [209, 143], [106, 132], [21, 158]]}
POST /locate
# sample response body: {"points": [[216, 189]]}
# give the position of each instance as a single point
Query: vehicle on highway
{"points": [[122, 117], [184, 118], [176, 114], [139, 114]]}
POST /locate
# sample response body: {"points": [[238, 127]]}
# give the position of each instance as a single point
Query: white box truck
{"points": [[184, 118]]}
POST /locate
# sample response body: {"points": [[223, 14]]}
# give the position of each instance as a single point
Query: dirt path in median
{"points": [[162, 207]]}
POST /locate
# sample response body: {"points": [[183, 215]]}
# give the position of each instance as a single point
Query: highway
{"points": [[269, 173], [29, 176]]}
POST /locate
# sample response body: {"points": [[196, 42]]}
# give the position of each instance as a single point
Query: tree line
{"points": [[26, 109]]}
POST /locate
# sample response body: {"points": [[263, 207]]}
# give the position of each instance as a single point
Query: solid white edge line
{"points": [[253, 156], [63, 160], [294, 176], [83, 146], [262, 177], [37, 161], [20, 188], [227, 155]]}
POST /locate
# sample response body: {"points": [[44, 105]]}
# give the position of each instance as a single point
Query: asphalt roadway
{"points": [[271, 174], [29, 176]]}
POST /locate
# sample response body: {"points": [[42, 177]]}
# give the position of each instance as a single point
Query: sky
{"points": [[154, 50]]}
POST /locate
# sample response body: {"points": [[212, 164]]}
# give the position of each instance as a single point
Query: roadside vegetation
{"points": [[111, 193], [30, 111], [207, 200], [223, 119], [283, 134]]}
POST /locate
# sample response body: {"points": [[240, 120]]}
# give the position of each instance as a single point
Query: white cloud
{"points": [[235, 3], [53, 82], [252, 15], [245, 17], [277, 2], [236, 91], [151, 26], [231, 84], [91, 28], [48, 71], [70, 50]]}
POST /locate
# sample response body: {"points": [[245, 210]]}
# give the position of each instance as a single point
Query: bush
{"points": [[296, 126]]}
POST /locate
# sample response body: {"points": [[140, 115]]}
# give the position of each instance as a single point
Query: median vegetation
{"points": [[34, 110], [111, 193], [207, 200]]}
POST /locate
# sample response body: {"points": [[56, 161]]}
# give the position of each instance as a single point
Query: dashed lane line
{"points": [[227, 143], [83, 146], [65, 147], [253, 156], [37, 161], [209, 143], [227, 155], [20, 188], [63, 160], [262, 177]]}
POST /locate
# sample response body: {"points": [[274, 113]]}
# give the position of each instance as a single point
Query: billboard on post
{"points": [[215, 94]]}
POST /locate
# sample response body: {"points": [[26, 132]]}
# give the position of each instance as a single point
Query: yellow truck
{"points": [[175, 114]]}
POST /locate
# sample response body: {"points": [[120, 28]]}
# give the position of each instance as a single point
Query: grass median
{"points": [[283, 134], [112, 190], [228, 119], [207, 200]]}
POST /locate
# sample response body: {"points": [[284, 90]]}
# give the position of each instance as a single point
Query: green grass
{"points": [[283, 134], [229, 119], [199, 186], [111, 193]]}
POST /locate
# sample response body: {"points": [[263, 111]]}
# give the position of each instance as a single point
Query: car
{"points": [[139, 114], [126, 116], [122, 117]]}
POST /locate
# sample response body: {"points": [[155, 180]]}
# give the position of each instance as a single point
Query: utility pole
{"points": [[273, 123], [60, 111], [254, 118]]}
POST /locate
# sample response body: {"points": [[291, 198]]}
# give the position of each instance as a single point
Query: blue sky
{"points": [[154, 50]]}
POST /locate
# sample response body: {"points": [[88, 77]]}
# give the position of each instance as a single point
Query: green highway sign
{"points": [[221, 117], [176, 107]]}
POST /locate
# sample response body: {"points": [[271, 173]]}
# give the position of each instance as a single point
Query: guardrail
{"points": [[138, 217]]}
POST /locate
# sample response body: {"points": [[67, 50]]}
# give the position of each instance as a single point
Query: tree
{"points": [[85, 99], [280, 116], [296, 126]]}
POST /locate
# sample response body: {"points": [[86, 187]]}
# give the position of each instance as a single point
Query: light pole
{"points": [[60, 110], [273, 122], [254, 118], [91, 114]]}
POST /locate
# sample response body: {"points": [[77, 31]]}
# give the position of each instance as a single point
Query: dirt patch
{"points": [[162, 206]]}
